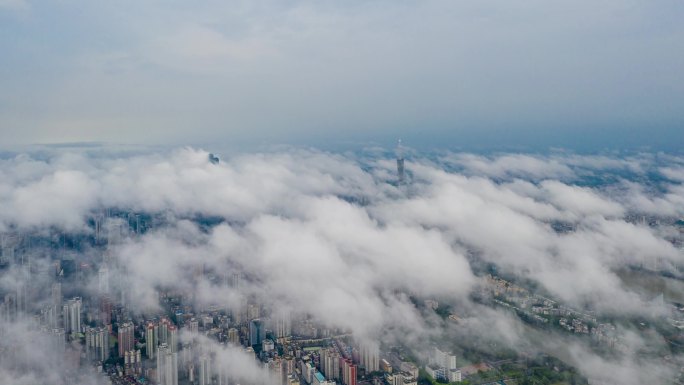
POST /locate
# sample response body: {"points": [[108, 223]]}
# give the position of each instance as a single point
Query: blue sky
{"points": [[491, 73]]}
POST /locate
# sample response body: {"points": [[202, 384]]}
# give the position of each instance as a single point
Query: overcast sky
{"points": [[532, 73]]}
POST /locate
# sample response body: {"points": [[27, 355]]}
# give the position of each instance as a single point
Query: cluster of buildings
{"points": [[442, 366], [95, 331], [547, 311]]}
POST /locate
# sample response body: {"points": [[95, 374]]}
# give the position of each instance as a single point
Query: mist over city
{"points": [[379, 255], [341, 193]]}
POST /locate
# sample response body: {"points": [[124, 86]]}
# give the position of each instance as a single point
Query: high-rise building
{"points": [[400, 163], [204, 370], [323, 353], [233, 336], [370, 356], [105, 310], [330, 364], [193, 325], [443, 359], [56, 295], [164, 325], [151, 339], [256, 332], [102, 343], [97, 343], [237, 277], [173, 338], [191, 372], [283, 324], [90, 341], [71, 315], [126, 341], [47, 316], [75, 305], [167, 366], [252, 311], [348, 372], [308, 370], [58, 339], [288, 364]]}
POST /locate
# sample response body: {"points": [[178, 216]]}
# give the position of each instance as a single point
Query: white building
{"points": [[204, 370], [370, 356], [443, 359], [454, 375], [167, 366]]}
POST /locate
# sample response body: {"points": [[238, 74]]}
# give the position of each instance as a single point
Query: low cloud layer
{"points": [[335, 238]]}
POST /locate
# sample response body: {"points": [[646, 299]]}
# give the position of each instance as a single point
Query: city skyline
{"points": [[380, 192], [195, 264]]}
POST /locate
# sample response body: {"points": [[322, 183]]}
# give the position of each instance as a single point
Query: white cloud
{"points": [[320, 235]]}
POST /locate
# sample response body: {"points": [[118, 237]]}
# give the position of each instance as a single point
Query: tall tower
{"points": [[71, 313], [204, 370], [237, 277], [167, 366], [126, 342], [283, 324], [102, 343], [256, 332], [151, 339], [401, 177], [164, 325], [173, 338], [233, 336], [370, 356], [56, 303], [75, 317]]}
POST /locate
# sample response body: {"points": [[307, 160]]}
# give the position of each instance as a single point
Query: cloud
{"points": [[326, 238], [48, 364], [514, 165]]}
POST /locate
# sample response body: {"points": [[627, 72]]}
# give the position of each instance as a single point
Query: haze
{"points": [[533, 74]]}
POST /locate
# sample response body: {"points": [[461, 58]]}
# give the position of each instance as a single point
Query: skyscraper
{"points": [[233, 336], [237, 277], [400, 163], [204, 370], [151, 339], [105, 310], [173, 338], [75, 319], [283, 324], [330, 363], [126, 341], [102, 343], [71, 314], [167, 366], [256, 332], [370, 356], [348, 372], [103, 280], [164, 325], [253, 311], [97, 343], [56, 295]]}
